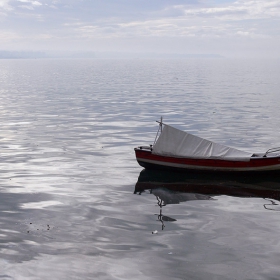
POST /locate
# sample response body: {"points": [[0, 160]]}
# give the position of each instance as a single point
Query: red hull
{"points": [[146, 159]]}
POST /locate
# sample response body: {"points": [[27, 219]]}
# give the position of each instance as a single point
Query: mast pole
{"points": [[159, 129]]}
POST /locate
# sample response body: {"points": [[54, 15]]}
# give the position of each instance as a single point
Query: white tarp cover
{"points": [[175, 142]]}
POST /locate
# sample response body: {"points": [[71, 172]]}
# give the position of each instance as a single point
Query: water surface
{"points": [[70, 207]]}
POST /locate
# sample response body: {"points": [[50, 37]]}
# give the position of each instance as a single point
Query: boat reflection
{"points": [[167, 196], [173, 188]]}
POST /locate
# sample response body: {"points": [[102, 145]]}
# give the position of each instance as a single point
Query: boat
{"points": [[174, 149]]}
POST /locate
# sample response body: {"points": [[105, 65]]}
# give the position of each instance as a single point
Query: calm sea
{"points": [[74, 203]]}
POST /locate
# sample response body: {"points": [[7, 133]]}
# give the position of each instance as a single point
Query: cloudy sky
{"points": [[225, 27]]}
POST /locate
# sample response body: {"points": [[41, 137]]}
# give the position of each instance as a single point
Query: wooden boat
{"points": [[175, 149]]}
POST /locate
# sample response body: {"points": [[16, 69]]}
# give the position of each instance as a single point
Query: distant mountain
{"points": [[105, 55], [153, 55], [21, 54], [45, 54]]}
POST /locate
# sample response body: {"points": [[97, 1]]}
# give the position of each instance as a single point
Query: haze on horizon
{"points": [[228, 28]]}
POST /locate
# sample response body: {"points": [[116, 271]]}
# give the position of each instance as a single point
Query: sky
{"points": [[228, 28]]}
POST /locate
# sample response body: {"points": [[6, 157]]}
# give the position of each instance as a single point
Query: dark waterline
{"points": [[70, 184]]}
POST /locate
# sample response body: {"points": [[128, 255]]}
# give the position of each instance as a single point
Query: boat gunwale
{"points": [[146, 159]]}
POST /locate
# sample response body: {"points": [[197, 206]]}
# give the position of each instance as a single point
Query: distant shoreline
{"points": [[98, 55]]}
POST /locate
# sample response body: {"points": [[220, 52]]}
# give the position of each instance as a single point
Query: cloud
{"points": [[34, 3], [7, 36], [30, 5], [169, 27], [4, 5], [243, 33], [11, 5], [239, 10], [216, 21], [65, 23]]}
